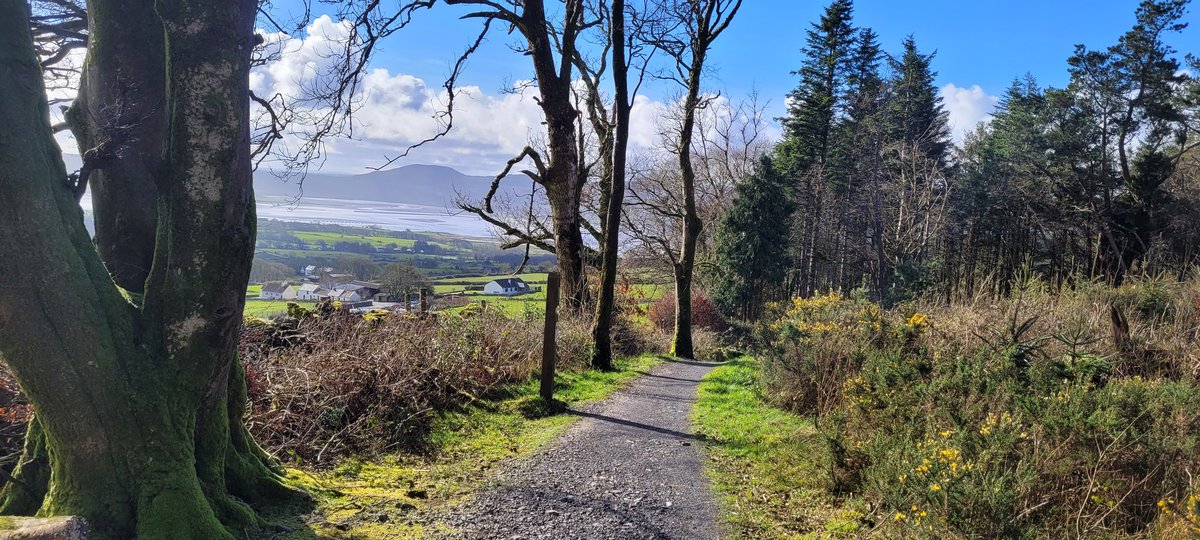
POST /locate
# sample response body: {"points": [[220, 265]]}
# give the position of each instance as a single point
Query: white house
{"points": [[506, 287], [311, 292], [290, 292], [273, 291]]}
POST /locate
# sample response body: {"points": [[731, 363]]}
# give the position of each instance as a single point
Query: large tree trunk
{"points": [[119, 121], [134, 402], [606, 301]]}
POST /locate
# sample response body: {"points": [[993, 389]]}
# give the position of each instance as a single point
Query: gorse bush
{"points": [[327, 386], [1074, 414]]}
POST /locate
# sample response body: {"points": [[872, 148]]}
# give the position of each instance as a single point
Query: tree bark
{"points": [[119, 121], [606, 301], [139, 405], [563, 183], [681, 345]]}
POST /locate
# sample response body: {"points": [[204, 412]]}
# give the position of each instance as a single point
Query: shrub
{"points": [[333, 385], [1036, 415], [15, 413], [704, 313]]}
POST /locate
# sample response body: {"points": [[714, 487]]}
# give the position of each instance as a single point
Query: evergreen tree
{"points": [[1132, 90], [854, 162], [916, 156], [809, 127], [751, 243], [814, 103], [915, 113]]}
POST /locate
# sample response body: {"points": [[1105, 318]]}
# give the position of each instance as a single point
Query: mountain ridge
{"points": [[425, 185]]}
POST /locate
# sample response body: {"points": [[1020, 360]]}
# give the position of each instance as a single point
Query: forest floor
{"points": [[630, 468]]}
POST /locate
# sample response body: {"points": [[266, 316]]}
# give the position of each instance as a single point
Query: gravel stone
{"points": [[627, 470]]}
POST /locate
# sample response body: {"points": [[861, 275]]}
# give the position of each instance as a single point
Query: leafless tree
{"points": [[701, 22]]}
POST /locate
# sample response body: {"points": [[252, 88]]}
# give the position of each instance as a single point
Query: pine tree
{"points": [[855, 160], [822, 77], [804, 153], [751, 243], [916, 156], [915, 112]]}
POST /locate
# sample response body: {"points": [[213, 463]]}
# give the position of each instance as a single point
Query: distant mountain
{"points": [[426, 185]]}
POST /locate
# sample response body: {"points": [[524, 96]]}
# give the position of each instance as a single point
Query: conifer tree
{"points": [[916, 117], [814, 106], [751, 243]]}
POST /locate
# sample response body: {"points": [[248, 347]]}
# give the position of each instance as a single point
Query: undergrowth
{"points": [[1039, 414], [392, 496]]}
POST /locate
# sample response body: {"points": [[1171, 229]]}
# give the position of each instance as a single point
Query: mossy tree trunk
{"points": [[138, 402]]}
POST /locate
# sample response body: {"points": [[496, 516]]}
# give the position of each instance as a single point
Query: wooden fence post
{"points": [[549, 342], [424, 300]]}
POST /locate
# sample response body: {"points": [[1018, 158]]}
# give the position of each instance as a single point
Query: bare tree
{"points": [[701, 23], [559, 168], [628, 46]]}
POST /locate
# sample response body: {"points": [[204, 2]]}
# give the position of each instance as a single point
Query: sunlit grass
{"points": [[765, 463]]}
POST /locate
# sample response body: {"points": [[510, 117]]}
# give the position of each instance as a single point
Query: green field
{"points": [[330, 238], [532, 279], [267, 308]]}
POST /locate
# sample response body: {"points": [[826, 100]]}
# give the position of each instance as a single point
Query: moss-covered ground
{"points": [[393, 496]]}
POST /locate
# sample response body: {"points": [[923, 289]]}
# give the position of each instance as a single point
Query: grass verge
{"points": [[765, 463], [392, 497]]}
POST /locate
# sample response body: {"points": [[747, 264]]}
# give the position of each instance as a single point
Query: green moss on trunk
{"points": [[138, 406], [24, 493]]}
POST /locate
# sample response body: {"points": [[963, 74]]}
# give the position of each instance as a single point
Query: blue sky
{"points": [[984, 43]]}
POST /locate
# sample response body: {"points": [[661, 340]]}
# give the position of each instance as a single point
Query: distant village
{"points": [[324, 284]]}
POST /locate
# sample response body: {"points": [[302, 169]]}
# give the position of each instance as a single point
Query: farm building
{"points": [[311, 292], [506, 287], [274, 291]]}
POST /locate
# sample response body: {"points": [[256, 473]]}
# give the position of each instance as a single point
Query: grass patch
{"points": [[387, 498], [267, 308], [765, 463], [531, 278]]}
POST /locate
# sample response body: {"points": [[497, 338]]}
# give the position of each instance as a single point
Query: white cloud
{"points": [[396, 110], [967, 107]]}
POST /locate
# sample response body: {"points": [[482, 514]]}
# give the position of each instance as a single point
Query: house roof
{"points": [[278, 288], [511, 283], [310, 287]]}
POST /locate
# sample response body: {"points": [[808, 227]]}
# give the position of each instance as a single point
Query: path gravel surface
{"points": [[629, 469]]}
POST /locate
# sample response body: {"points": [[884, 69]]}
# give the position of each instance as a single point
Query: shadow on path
{"points": [[635, 425]]}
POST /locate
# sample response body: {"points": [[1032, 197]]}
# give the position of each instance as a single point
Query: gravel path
{"points": [[629, 469]]}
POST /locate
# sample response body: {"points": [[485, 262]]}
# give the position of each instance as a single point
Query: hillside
{"points": [[424, 185]]}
